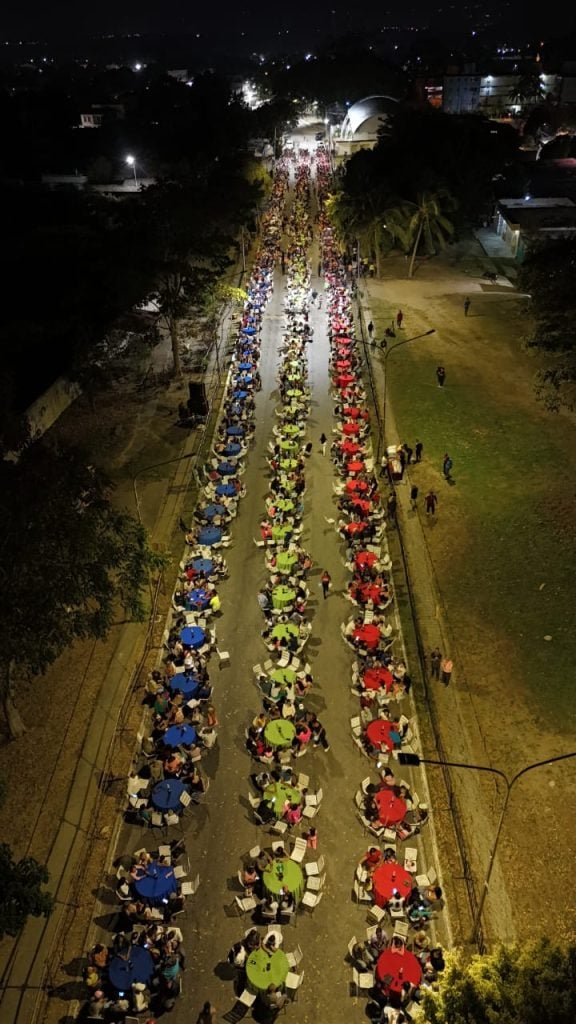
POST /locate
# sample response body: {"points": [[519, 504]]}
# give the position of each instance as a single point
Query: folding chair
{"points": [[245, 904], [363, 981], [293, 982], [316, 867]]}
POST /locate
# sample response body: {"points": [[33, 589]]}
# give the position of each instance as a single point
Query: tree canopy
{"points": [[21, 893], [533, 982], [547, 275]]}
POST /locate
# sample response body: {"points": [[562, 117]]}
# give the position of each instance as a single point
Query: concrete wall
{"points": [[50, 406]]}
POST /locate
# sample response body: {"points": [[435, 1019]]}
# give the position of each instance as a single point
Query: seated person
{"points": [[286, 902], [293, 814], [249, 877], [372, 859], [269, 908], [251, 941]]}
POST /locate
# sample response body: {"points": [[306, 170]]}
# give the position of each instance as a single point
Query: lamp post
{"points": [[387, 354], [415, 759], [147, 469], [131, 161]]}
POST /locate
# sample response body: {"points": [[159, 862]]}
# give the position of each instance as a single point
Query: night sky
{"points": [[268, 20]]}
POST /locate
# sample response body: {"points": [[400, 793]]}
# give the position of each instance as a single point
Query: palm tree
{"points": [[528, 90], [408, 222], [360, 218]]}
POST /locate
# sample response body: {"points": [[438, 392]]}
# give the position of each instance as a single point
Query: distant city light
{"points": [[137, 67], [527, 198]]}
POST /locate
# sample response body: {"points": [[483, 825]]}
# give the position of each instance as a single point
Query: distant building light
{"points": [[137, 67], [527, 199]]}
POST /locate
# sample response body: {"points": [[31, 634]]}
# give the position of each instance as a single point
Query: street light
{"points": [[387, 354], [415, 759], [131, 161], [147, 469]]}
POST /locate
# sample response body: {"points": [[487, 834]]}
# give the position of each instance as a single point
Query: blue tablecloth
{"points": [[240, 395], [243, 378], [137, 967], [232, 449], [245, 366], [206, 565], [177, 735], [225, 490], [236, 409], [166, 795], [249, 330], [157, 884], [210, 535], [213, 509], [236, 430], [198, 598], [192, 636], [188, 685], [227, 468]]}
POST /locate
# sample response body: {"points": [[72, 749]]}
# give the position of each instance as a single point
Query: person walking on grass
{"points": [[399, 318], [466, 305], [418, 451], [430, 502], [447, 466], [446, 667], [440, 376], [414, 498], [435, 662], [325, 583], [323, 442], [370, 329]]}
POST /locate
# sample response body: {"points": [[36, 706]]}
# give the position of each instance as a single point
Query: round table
{"points": [[378, 679], [388, 879], [203, 565], [213, 509], [288, 464], [350, 429], [166, 795], [279, 533], [350, 447], [263, 969], [285, 560], [356, 466], [227, 468], [354, 528], [289, 446], [282, 596], [284, 630], [365, 558], [343, 364], [280, 732], [249, 330], [294, 393], [198, 598], [344, 379], [355, 412], [284, 504], [192, 636], [157, 884], [226, 491], [369, 592], [393, 969], [187, 684], [239, 394], [361, 506], [137, 966], [356, 486], [382, 732], [210, 535], [283, 676], [284, 874], [368, 635], [232, 449], [277, 793], [391, 808], [291, 429], [178, 735]]}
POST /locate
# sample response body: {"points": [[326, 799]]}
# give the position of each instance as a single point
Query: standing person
{"points": [[418, 451], [319, 271], [391, 505], [447, 466], [207, 1014], [323, 442], [370, 330], [399, 318], [283, 261], [440, 376], [318, 733], [466, 305], [409, 453], [435, 662], [446, 667], [313, 296], [430, 503], [325, 583], [402, 457], [414, 497]]}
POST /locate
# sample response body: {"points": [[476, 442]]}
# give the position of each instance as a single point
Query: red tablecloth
{"points": [[388, 879], [379, 731], [350, 429], [355, 466], [355, 486], [391, 808], [355, 412], [400, 967], [378, 678], [353, 529], [345, 341], [369, 592], [364, 557], [344, 379], [368, 636], [350, 447], [362, 506], [342, 364]]}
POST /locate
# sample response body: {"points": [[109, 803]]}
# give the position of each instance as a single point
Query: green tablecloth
{"points": [[263, 970], [291, 429], [283, 675], [282, 596], [289, 446], [285, 630], [280, 732], [292, 878], [284, 504], [288, 464], [294, 393], [285, 560], [279, 533], [277, 793]]}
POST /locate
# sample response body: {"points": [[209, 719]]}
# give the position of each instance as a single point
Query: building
{"points": [[518, 221], [101, 113], [468, 91]]}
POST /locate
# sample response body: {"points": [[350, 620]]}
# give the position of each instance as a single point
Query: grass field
{"points": [[503, 545]]}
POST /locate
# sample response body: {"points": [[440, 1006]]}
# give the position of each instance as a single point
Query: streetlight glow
{"points": [[131, 161]]}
